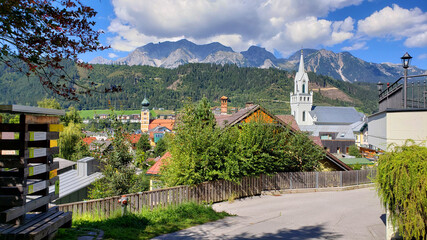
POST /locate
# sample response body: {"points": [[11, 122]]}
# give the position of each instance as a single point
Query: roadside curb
{"points": [[309, 190]]}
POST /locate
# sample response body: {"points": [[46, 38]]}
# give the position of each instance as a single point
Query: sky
{"points": [[374, 30]]}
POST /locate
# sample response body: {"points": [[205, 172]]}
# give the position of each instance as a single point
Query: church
{"points": [[337, 127]]}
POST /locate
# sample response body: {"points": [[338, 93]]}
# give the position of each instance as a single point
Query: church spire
{"points": [[301, 63]]}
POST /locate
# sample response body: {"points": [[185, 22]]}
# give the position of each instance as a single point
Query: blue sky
{"points": [[373, 30]]}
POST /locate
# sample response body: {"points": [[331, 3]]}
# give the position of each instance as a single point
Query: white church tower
{"points": [[301, 99]]}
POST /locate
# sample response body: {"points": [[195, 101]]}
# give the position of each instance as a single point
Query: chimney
{"points": [[86, 166], [224, 101], [248, 104]]}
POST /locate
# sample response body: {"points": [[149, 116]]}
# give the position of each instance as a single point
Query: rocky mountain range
{"points": [[343, 66]]}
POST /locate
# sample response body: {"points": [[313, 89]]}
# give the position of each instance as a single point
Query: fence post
{"points": [[357, 177], [317, 179], [290, 180], [341, 179]]}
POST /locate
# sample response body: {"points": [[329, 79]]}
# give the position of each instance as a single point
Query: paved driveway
{"points": [[354, 214]]}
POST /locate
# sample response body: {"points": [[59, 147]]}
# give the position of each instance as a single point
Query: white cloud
{"points": [[356, 46], [310, 33], [238, 23], [396, 23], [422, 56], [112, 55]]}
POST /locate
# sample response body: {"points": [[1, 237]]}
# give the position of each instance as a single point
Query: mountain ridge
{"points": [[342, 66]]}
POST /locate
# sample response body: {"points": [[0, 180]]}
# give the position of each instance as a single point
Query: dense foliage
{"points": [[169, 88], [402, 186], [201, 151], [119, 172], [37, 35]]}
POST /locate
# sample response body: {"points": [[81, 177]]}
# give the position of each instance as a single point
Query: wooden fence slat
{"points": [[221, 190]]}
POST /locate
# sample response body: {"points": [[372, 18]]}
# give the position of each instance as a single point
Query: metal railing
{"points": [[416, 96]]}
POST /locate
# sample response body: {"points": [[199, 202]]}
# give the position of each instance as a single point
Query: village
{"points": [[203, 139]]}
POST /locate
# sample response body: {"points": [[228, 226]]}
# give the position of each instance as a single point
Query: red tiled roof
{"points": [[316, 140], [169, 123], [89, 140], [155, 169], [290, 120], [133, 138]]}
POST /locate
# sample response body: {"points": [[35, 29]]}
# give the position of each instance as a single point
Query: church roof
{"points": [[343, 132], [335, 115], [145, 102], [290, 120]]}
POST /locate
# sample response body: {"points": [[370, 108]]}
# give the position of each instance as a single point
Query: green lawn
{"points": [[144, 225]]}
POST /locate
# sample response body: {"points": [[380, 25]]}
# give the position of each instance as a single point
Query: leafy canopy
{"points": [[402, 185], [201, 151], [37, 35]]}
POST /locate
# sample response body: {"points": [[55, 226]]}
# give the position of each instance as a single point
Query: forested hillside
{"points": [[169, 88]]}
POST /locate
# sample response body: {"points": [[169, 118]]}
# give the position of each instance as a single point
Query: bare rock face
{"points": [[222, 58], [137, 57], [343, 65], [101, 60], [178, 57]]}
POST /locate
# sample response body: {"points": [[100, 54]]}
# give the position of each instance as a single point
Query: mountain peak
{"points": [[256, 56]]}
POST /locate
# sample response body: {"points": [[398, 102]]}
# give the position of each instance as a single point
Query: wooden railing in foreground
{"points": [[221, 190]]}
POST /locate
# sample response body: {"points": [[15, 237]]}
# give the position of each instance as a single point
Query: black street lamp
{"points": [[405, 62]]}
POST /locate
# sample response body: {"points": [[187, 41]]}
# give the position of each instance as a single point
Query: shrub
{"points": [[402, 185]]}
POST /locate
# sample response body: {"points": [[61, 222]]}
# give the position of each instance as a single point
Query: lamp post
{"points": [[380, 87], [405, 62]]}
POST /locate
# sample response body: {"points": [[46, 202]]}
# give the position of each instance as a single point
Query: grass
{"points": [[144, 225]]}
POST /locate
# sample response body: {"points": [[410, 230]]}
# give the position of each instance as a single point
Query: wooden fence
{"points": [[221, 190]]}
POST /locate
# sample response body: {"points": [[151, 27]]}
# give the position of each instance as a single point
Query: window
{"points": [[303, 88], [303, 116], [338, 150]]}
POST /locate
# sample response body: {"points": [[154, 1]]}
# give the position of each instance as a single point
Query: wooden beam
{"points": [[30, 110], [11, 200], [15, 212], [29, 222], [32, 119], [9, 127], [9, 144], [11, 161]]}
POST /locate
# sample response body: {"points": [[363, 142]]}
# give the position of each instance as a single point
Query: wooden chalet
{"points": [[257, 113]]}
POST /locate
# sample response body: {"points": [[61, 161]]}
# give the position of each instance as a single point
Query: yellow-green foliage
{"points": [[402, 186]]}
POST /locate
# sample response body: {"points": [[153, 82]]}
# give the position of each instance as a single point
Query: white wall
{"points": [[396, 127]]}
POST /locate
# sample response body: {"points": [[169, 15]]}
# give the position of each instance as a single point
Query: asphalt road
{"points": [[354, 214]]}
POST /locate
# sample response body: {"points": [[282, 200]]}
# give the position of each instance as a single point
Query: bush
{"points": [[402, 185]]}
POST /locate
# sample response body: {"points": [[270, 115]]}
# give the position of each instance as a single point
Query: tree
{"points": [[49, 103], [119, 174], [72, 115], [201, 151], [402, 185], [37, 35], [70, 141], [353, 150], [160, 148]]}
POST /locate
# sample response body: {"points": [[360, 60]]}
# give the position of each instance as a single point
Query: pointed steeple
{"points": [[301, 63]]}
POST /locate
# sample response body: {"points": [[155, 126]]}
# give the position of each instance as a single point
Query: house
{"points": [[256, 112], [157, 133], [154, 171], [337, 127], [402, 114]]}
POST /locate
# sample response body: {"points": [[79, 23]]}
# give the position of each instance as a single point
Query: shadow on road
{"points": [[307, 232]]}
